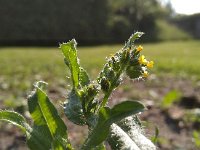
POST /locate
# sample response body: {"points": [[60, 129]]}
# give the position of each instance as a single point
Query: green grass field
{"points": [[21, 66]]}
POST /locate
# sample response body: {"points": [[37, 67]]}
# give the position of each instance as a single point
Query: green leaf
{"points": [[134, 131], [70, 53], [109, 116], [14, 118], [37, 137], [83, 77], [119, 140], [79, 75], [73, 109], [47, 120], [127, 134], [125, 109], [135, 36], [132, 39]]}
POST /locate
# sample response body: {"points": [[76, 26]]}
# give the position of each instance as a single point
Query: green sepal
{"points": [[133, 72]]}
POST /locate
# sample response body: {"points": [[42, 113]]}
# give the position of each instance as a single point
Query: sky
{"points": [[185, 6]]}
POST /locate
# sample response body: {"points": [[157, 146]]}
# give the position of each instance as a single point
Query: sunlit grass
{"points": [[25, 65], [174, 58]]}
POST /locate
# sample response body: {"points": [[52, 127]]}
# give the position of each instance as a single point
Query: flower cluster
{"points": [[110, 75], [138, 65], [144, 62], [127, 61]]}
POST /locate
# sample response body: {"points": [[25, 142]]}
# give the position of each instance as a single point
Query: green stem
{"points": [[107, 95], [105, 99]]}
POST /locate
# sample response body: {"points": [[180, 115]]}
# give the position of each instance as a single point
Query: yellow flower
{"points": [[150, 64], [139, 48], [142, 60], [145, 74]]}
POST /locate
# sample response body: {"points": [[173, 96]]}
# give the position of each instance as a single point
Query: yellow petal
{"points": [[145, 74], [142, 60], [150, 64], [139, 48]]}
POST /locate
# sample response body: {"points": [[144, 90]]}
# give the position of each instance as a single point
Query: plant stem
{"points": [[105, 99]]}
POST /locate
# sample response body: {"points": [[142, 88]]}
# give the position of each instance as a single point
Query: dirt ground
{"points": [[175, 133]]}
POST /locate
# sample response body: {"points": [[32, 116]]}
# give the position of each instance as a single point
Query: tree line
{"points": [[47, 22]]}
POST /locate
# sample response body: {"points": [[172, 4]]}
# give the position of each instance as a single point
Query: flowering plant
{"points": [[119, 125]]}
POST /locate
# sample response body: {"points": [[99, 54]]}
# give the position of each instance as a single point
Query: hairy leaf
{"points": [[39, 138], [70, 54], [14, 118], [36, 138], [73, 109], [79, 75], [47, 120], [108, 116], [83, 77], [132, 39], [128, 133], [119, 140]]}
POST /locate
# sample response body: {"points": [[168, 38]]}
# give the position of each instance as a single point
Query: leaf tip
{"points": [[41, 84]]}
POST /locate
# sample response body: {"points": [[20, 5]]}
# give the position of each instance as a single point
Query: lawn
{"points": [[170, 57], [22, 66]]}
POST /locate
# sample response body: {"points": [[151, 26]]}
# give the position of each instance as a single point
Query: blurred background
{"points": [[30, 33]]}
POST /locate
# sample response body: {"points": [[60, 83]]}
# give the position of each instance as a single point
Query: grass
{"points": [[169, 31], [21, 66], [176, 58]]}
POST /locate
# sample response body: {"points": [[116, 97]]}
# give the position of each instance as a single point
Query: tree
{"points": [[48, 22], [135, 14]]}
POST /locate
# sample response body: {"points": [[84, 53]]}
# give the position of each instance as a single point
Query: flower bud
{"points": [[105, 84], [110, 74], [92, 90], [133, 72], [125, 56]]}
